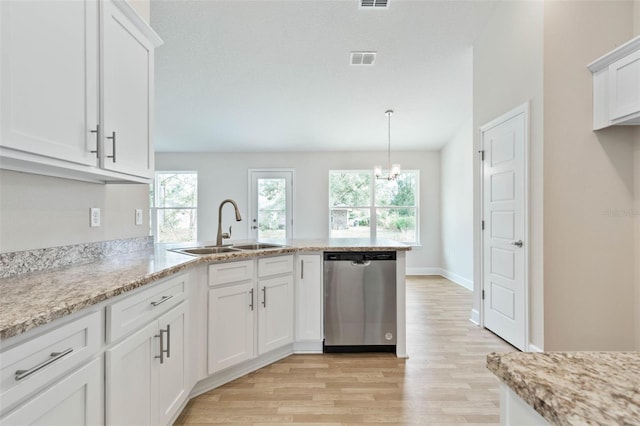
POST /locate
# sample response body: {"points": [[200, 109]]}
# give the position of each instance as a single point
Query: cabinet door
{"points": [[172, 385], [74, 400], [309, 298], [275, 317], [49, 69], [624, 86], [130, 378], [231, 325], [126, 94]]}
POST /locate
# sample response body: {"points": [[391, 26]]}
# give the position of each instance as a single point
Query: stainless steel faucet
{"points": [[222, 235]]}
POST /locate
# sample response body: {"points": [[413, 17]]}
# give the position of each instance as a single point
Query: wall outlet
{"points": [[138, 216], [94, 217]]}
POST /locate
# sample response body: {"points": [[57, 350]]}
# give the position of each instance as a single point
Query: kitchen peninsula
{"points": [[70, 326]]}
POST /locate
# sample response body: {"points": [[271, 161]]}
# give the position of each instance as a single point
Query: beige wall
{"points": [[456, 206], [636, 182], [507, 71], [636, 218], [589, 287], [39, 211]]}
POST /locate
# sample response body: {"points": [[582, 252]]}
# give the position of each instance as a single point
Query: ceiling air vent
{"points": [[363, 58], [374, 3]]}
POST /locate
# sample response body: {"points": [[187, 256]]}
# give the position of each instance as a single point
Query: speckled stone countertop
{"points": [[33, 299], [574, 388]]}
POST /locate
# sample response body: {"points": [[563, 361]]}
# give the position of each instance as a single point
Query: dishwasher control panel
{"points": [[360, 256]]}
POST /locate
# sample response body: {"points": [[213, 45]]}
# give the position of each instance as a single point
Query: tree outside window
{"points": [[364, 207], [174, 198]]}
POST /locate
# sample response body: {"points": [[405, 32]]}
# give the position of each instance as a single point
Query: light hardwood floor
{"points": [[444, 381]]}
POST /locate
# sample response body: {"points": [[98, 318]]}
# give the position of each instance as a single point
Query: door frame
{"points": [[250, 203], [521, 109]]}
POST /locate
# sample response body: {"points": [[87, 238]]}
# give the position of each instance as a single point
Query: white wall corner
{"points": [[475, 316], [462, 281], [423, 271]]}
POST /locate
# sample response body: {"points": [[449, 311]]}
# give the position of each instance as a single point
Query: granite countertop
{"points": [[37, 298], [574, 388]]}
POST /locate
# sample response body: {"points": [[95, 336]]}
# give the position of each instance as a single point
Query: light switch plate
{"points": [[138, 216], [94, 217]]}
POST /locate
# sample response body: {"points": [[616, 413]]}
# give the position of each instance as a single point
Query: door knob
{"points": [[518, 243], [254, 227]]}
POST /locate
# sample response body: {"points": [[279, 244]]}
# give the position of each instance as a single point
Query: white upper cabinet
{"points": [[77, 90], [127, 94], [624, 85], [50, 79], [616, 86]]}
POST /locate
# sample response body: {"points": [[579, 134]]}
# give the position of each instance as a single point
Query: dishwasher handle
{"points": [[362, 263]]}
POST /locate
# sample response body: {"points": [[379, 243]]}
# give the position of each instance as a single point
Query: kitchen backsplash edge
{"points": [[20, 262]]}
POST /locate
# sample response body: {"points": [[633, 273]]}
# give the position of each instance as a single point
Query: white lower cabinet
{"points": [[172, 375], [309, 299], [275, 313], [231, 325], [145, 373], [74, 400], [245, 311]]}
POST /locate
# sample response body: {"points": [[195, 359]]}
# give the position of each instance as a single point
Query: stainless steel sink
{"points": [[196, 251], [204, 250], [257, 246]]}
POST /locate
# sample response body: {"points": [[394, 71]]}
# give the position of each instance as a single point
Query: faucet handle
{"points": [[227, 234]]}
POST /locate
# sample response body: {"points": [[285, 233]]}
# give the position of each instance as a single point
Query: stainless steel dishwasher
{"points": [[360, 301]]}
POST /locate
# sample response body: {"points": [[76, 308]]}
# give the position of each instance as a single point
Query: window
{"points": [[362, 206], [174, 206]]}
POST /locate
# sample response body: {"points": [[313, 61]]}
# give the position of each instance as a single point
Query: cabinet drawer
{"points": [[35, 363], [275, 265], [137, 310], [224, 273]]}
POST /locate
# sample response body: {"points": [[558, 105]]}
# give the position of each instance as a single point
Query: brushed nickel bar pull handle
{"points": [[168, 351], [113, 144], [264, 296], [251, 304], [161, 301], [161, 336], [21, 374], [302, 269], [97, 132]]}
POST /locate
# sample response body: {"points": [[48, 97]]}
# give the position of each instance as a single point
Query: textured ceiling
{"points": [[275, 75]]}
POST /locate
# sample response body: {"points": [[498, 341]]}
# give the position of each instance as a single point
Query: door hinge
{"points": [[483, 225], [481, 152], [482, 294]]}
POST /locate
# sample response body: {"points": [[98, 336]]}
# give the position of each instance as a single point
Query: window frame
{"points": [[373, 207], [154, 222]]}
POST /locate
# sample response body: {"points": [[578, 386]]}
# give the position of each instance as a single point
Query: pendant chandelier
{"points": [[393, 170]]}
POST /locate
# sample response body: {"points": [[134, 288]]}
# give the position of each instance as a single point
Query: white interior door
{"points": [[271, 204], [504, 249]]}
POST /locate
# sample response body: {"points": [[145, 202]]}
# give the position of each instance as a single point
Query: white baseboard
{"points": [[423, 271], [534, 348], [460, 280], [475, 316], [237, 371], [308, 347]]}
